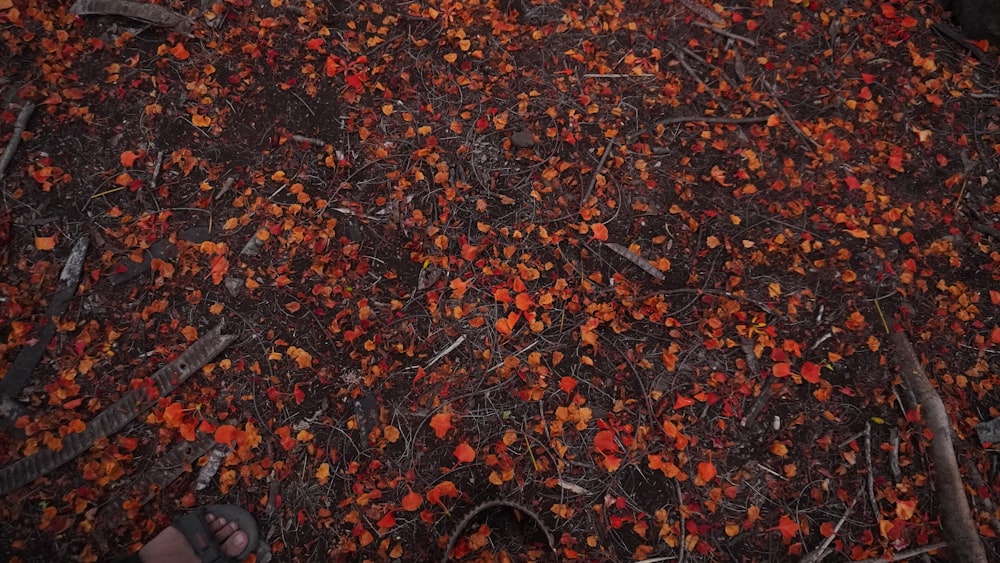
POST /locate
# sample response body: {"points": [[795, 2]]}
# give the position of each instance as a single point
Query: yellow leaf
{"points": [[387, 109], [201, 120], [779, 449], [451, 57]]}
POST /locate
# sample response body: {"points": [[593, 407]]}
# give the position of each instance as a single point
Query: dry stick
{"points": [[680, 511], [788, 117], [156, 170], [495, 504], [870, 477], [701, 119], [597, 171], [964, 543], [909, 553], [726, 33], [817, 555], [894, 454], [19, 126]]}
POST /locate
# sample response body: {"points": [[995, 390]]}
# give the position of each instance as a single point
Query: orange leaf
{"points": [[787, 527], [323, 473], [412, 501], [441, 423], [995, 335], [128, 158], [45, 243], [220, 267], [226, 434], [173, 415], [706, 471], [201, 120], [905, 509], [464, 453], [503, 295], [810, 372], [180, 52], [523, 301], [783, 369], [442, 489], [600, 231], [505, 325], [458, 288]]}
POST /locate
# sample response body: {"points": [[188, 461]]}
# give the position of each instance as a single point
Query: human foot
{"points": [[189, 540]]}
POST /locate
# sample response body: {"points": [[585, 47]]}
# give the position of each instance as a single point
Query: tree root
{"points": [[960, 529]]}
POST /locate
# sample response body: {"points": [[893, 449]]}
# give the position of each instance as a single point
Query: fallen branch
{"points": [[908, 554], [152, 14], [788, 118], [960, 529], [597, 171], [19, 373], [726, 33], [19, 126], [701, 119], [115, 417], [817, 555]]}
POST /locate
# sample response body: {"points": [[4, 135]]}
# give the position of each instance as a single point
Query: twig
{"points": [[615, 75], [309, 140], [19, 126], [868, 466], [701, 119], [597, 171], [909, 553], [445, 352], [758, 405], [817, 555], [788, 117], [894, 454], [728, 34], [156, 170]]}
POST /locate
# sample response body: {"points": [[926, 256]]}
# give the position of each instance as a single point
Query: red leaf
{"points": [[605, 442], [783, 369], [787, 527], [682, 402], [387, 521], [226, 434], [412, 501], [567, 384], [810, 372]]}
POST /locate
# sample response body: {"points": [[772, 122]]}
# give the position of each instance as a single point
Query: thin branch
{"points": [[19, 126], [788, 117], [597, 171], [908, 554], [728, 34], [820, 552]]}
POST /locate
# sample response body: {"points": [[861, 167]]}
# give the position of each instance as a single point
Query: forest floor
{"points": [[629, 265]]}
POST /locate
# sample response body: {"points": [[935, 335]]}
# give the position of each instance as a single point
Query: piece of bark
{"points": [[127, 270], [115, 417], [19, 373], [960, 529], [149, 13]]}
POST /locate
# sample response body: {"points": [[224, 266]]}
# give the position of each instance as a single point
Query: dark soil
{"points": [[342, 208]]}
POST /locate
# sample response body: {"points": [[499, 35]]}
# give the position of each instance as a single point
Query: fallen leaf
{"points": [[464, 453], [441, 423], [599, 231], [788, 528], [412, 501], [706, 471]]}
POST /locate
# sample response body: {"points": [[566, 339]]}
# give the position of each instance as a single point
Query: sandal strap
{"points": [[195, 530]]}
